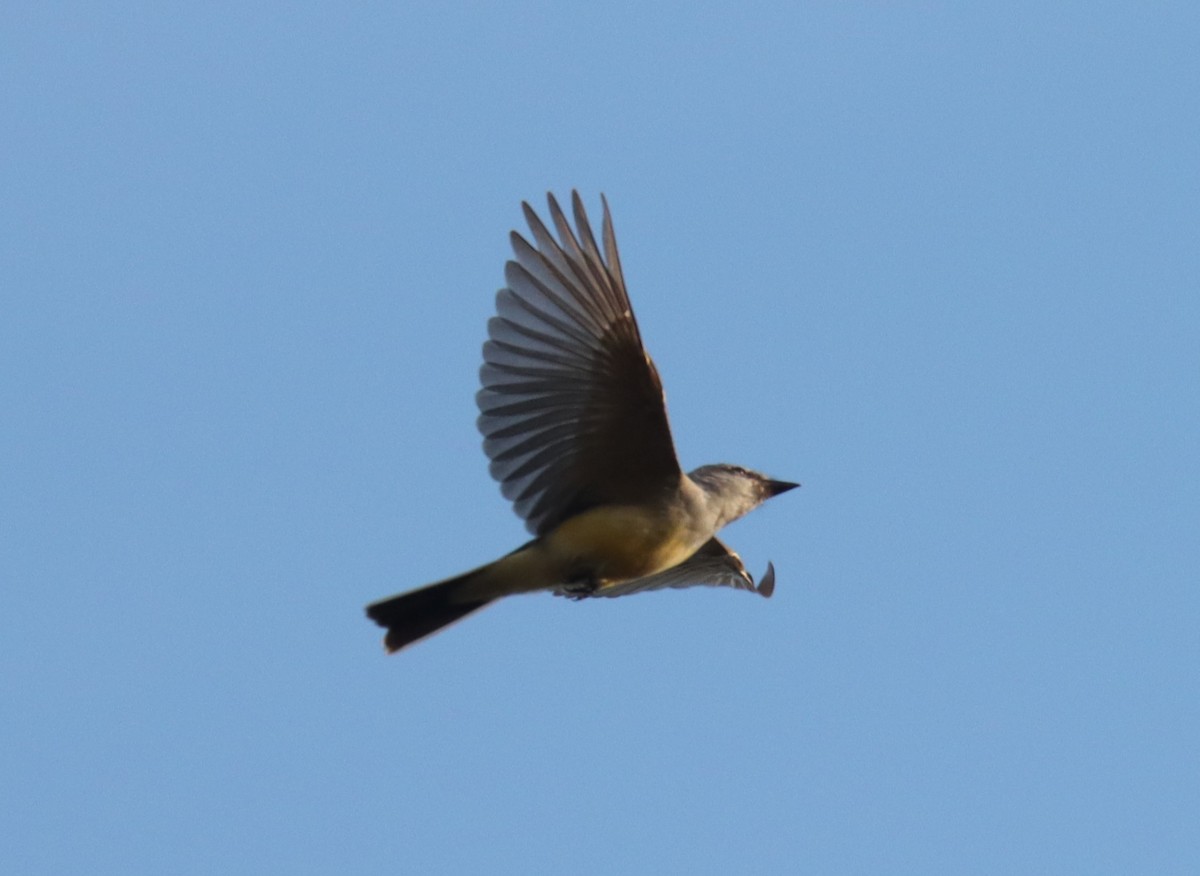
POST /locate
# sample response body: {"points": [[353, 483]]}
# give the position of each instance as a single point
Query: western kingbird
{"points": [[575, 424]]}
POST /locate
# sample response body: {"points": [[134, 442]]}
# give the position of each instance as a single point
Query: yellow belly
{"points": [[619, 542]]}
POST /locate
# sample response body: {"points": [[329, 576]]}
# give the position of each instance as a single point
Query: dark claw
{"points": [[577, 588]]}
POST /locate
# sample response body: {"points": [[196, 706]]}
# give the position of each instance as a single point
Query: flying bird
{"points": [[575, 424]]}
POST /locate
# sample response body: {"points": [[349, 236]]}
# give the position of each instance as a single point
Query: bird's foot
{"points": [[579, 587]]}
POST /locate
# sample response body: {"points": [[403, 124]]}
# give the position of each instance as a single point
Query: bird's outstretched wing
{"points": [[714, 565], [571, 410]]}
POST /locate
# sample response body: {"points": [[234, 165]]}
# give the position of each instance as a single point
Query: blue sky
{"points": [[937, 262]]}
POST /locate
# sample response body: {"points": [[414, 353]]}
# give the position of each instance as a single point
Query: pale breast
{"points": [[620, 542]]}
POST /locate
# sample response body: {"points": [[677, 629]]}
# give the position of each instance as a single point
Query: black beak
{"points": [[775, 488]]}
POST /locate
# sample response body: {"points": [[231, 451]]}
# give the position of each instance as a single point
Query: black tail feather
{"points": [[412, 616]]}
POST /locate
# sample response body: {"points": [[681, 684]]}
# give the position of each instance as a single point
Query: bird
{"points": [[574, 423]]}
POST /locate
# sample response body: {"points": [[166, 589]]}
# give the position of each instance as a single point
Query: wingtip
{"points": [[529, 213], [767, 585]]}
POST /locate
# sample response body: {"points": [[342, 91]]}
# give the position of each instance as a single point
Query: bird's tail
{"points": [[412, 616]]}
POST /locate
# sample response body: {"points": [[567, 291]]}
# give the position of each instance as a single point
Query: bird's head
{"points": [[734, 491]]}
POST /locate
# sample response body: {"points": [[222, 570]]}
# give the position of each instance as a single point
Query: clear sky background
{"points": [[938, 262]]}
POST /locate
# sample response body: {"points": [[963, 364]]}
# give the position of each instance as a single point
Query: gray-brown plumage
{"points": [[575, 425]]}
